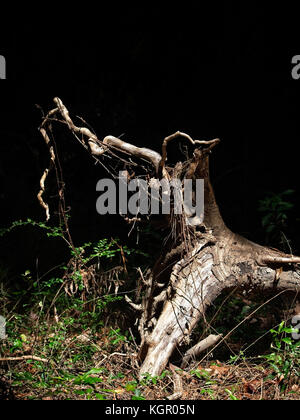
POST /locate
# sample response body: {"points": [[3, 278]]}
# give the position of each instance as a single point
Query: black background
{"points": [[219, 70]]}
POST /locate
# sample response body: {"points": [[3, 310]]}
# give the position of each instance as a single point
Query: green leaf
{"points": [[94, 371], [130, 387], [100, 396]]}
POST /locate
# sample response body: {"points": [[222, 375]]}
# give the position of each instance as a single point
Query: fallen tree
{"points": [[199, 261]]}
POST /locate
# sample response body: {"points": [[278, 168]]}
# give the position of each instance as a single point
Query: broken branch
{"points": [[200, 347], [19, 358]]}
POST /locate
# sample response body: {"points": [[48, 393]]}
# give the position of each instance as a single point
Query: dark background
{"points": [[219, 70]]}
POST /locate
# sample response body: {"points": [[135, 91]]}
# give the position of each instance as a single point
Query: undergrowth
{"points": [[69, 334]]}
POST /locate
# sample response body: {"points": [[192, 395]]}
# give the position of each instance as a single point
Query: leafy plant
{"points": [[89, 378], [275, 209], [149, 379], [238, 357], [285, 358], [231, 395], [201, 374], [132, 386], [116, 337]]}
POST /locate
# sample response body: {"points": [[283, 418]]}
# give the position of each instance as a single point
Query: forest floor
{"points": [[70, 335], [77, 358]]}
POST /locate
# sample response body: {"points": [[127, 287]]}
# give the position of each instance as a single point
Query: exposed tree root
{"points": [[198, 264]]}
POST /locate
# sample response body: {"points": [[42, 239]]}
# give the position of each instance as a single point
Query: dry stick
{"points": [[199, 348], [12, 359], [45, 174], [139, 152], [99, 148], [281, 260], [109, 356], [133, 339], [92, 139]]}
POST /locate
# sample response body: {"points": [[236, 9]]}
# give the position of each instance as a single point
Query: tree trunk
{"points": [[201, 261]]}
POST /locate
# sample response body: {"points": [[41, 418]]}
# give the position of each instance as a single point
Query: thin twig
{"points": [[19, 358]]}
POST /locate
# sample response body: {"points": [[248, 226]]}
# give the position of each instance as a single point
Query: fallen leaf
{"points": [[251, 387], [219, 370]]}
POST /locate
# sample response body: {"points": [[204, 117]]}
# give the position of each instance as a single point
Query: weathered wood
{"points": [[199, 348], [200, 262]]}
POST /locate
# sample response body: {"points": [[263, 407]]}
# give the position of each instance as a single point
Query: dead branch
{"points": [[268, 259], [133, 305], [108, 356], [46, 172], [19, 358], [92, 138], [203, 345], [142, 153], [98, 148], [174, 136]]}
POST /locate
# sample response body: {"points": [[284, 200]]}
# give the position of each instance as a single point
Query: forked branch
{"points": [[178, 134]]}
